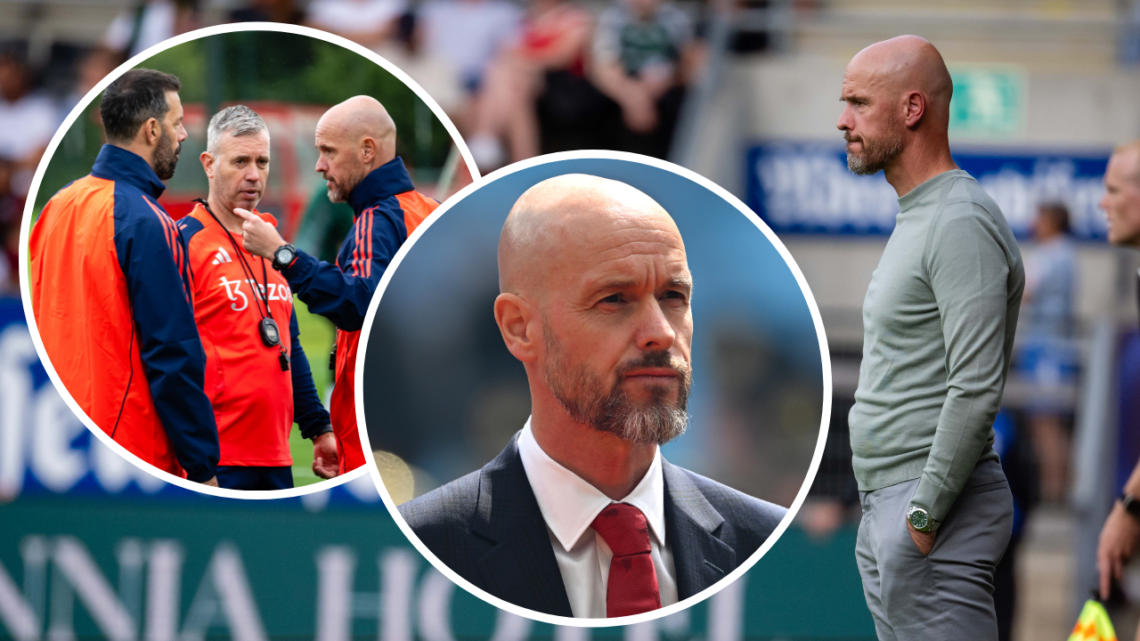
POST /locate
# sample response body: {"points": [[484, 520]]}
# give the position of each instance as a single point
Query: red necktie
{"points": [[632, 585]]}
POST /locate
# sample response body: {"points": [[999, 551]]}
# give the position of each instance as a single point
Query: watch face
{"points": [[284, 256], [919, 519]]}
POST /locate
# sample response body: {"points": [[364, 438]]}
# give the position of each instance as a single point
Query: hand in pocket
{"points": [[923, 540]]}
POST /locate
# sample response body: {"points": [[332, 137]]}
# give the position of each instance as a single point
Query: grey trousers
{"points": [[947, 596]]}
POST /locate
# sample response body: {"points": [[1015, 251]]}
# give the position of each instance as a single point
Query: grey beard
{"points": [[581, 396], [875, 156]]}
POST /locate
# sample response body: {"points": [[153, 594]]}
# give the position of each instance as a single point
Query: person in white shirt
{"points": [[367, 22], [27, 122], [146, 23], [580, 515]]}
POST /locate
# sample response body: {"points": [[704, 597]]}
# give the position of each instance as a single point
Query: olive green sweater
{"points": [[938, 324]]}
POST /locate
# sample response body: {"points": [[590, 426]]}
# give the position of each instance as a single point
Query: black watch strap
{"points": [[314, 433], [1131, 505]]}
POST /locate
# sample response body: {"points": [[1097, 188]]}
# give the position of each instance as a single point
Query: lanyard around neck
{"points": [[245, 267]]}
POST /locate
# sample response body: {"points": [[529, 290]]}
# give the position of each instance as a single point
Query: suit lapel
{"points": [[521, 567], [692, 524]]}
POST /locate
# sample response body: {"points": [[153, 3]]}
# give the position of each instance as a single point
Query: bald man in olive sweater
{"points": [[938, 322]]}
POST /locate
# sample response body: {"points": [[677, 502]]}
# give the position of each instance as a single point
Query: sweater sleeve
{"points": [[968, 272]]}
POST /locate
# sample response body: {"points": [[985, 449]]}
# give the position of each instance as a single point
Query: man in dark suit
{"points": [[580, 515]]}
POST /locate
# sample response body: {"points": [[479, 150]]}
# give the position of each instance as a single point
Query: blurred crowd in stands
{"points": [[518, 79]]}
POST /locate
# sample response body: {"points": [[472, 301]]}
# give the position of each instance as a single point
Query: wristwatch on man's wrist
{"points": [[283, 256], [1131, 505], [920, 520]]}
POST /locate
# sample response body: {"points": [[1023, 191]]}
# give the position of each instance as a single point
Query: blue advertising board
{"points": [[807, 188], [45, 450], [93, 547]]}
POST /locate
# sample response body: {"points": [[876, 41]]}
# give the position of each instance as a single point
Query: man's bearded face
{"points": [[166, 156], [584, 396]]}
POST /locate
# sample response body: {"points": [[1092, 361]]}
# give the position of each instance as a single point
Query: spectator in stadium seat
{"points": [[258, 384], [644, 54], [580, 516], [11, 209], [366, 22], [110, 288], [435, 74], [550, 56], [469, 34], [96, 65], [1121, 204], [356, 141], [27, 121], [284, 11], [1046, 356], [939, 321], [149, 22]]}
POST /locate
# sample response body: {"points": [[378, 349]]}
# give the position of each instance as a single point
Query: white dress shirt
{"points": [[569, 505]]}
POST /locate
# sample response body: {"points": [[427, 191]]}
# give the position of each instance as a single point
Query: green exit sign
{"points": [[987, 101]]}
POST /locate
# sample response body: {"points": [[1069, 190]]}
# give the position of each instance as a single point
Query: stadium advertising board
{"points": [[93, 547], [807, 188], [59, 455]]}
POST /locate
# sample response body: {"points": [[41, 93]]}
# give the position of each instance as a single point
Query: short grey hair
{"points": [[238, 120]]}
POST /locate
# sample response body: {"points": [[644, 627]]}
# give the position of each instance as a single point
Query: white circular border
{"points": [[825, 418], [25, 229]]}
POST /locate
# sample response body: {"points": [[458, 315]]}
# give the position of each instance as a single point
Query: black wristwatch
{"points": [[283, 256], [1131, 505]]}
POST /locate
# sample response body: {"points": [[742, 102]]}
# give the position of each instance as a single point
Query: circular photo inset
{"points": [[596, 388], [204, 238]]}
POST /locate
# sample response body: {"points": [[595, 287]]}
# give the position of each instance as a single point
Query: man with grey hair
{"points": [[259, 381], [580, 515], [938, 322]]}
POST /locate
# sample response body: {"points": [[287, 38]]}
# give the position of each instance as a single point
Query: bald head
{"points": [[565, 222], [595, 304], [360, 117], [354, 138], [904, 64], [1121, 200], [898, 112]]}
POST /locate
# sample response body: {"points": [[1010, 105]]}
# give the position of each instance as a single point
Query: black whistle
{"points": [[283, 358]]}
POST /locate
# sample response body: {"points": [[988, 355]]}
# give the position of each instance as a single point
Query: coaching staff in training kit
{"points": [[257, 376], [110, 287], [1121, 204], [357, 144], [580, 515], [938, 325]]}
